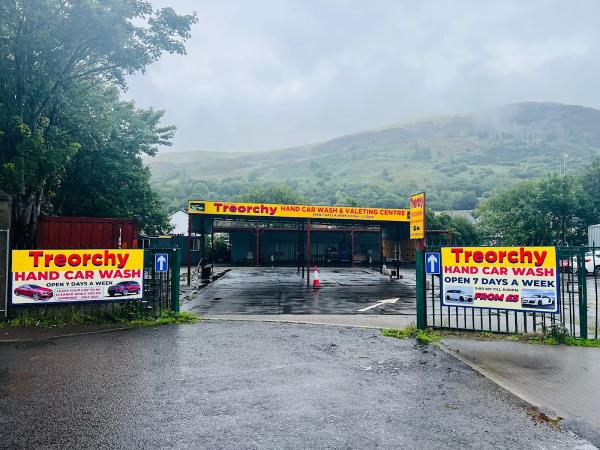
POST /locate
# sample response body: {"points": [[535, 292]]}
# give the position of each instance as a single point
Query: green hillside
{"points": [[457, 159]]}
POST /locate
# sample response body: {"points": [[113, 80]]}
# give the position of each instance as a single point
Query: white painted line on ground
{"points": [[379, 303]]}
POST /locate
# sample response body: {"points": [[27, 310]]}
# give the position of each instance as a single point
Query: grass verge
{"points": [[552, 340], [430, 336], [427, 336], [122, 319]]}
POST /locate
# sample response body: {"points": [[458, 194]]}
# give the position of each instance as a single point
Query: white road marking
{"points": [[379, 303]]}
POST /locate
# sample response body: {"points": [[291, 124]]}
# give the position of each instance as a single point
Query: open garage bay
{"points": [[281, 290]]}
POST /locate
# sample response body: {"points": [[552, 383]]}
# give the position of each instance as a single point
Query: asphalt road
{"points": [[223, 384]]}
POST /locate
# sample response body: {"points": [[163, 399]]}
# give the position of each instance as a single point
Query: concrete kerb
{"points": [[332, 323], [223, 319], [65, 335]]}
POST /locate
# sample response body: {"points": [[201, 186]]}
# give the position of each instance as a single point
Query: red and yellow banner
{"points": [[297, 211], [517, 278], [56, 276]]}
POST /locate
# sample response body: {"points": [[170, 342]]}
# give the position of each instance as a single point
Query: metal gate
{"points": [[579, 270]]}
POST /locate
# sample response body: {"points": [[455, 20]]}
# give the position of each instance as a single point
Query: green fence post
{"points": [[175, 280], [582, 291], [420, 281]]}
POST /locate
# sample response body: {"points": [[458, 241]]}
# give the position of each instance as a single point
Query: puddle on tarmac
{"points": [[14, 382]]}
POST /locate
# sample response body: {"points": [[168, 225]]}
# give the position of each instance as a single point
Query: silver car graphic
{"points": [[537, 300], [458, 295]]}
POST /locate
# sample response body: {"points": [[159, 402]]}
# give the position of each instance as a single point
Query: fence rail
{"points": [[579, 273], [4, 271]]}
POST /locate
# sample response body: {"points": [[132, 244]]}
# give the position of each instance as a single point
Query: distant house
{"points": [[177, 239], [179, 222]]}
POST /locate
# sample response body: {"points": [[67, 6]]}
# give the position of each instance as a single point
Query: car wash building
{"points": [[302, 235]]}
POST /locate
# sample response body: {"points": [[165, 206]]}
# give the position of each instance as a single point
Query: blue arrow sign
{"points": [[161, 262], [432, 263]]}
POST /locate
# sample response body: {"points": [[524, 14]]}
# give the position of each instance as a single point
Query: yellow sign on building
{"points": [[417, 216], [297, 211]]}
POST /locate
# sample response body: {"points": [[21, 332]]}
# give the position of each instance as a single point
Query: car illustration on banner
{"points": [[34, 292], [459, 295], [124, 288], [537, 300]]}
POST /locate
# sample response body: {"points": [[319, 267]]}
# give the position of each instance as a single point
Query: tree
{"points": [[106, 177], [590, 181], [463, 231], [54, 51], [545, 211]]}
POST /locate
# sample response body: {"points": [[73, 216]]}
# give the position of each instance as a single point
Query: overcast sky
{"points": [[271, 74]]}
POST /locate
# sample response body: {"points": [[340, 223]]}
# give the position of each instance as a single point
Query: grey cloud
{"points": [[270, 74]]}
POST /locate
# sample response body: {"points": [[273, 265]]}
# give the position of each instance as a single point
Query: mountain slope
{"points": [[457, 159]]}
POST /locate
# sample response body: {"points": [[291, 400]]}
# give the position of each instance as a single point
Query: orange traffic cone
{"points": [[316, 281]]}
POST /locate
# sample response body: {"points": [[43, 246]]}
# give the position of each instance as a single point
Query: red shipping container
{"points": [[86, 232]]}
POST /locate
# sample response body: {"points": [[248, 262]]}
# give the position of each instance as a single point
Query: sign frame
{"points": [[420, 212], [438, 256], [286, 211], [558, 302], [133, 272], [157, 264]]}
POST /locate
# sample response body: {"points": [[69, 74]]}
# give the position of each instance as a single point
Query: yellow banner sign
{"points": [[516, 278], [56, 276], [297, 211], [417, 216]]}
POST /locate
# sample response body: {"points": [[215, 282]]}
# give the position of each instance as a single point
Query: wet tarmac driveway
{"points": [[280, 290], [223, 384]]}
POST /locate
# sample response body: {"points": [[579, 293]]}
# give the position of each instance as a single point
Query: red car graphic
{"points": [[125, 288], [34, 292]]}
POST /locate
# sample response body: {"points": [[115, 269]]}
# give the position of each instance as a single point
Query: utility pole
{"points": [[563, 164]]}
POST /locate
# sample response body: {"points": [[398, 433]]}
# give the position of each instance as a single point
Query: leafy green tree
{"points": [[53, 52], [106, 177], [544, 211], [590, 181], [463, 231]]}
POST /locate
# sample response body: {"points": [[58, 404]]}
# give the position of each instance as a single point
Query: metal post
{"points": [[298, 260], [203, 240], [302, 249], [380, 249], [582, 288], [421, 300], [212, 245], [7, 271], [308, 256], [397, 251], [352, 238], [189, 252], [257, 244], [175, 279]]}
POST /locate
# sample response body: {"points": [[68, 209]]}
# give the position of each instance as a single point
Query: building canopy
{"points": [[276, 211]]}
